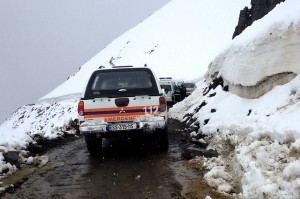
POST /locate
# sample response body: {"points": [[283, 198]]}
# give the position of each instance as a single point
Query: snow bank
{"points": [[255, 61], [47, 120], [259, 140]]}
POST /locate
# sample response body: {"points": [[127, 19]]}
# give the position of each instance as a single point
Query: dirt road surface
{"points": [[128, 168]]}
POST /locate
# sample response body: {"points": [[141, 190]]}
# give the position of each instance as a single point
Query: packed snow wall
{"points": [[266, 58]]}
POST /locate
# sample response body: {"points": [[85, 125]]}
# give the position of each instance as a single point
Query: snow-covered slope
{"points": [[179, 40], [258, 139]]}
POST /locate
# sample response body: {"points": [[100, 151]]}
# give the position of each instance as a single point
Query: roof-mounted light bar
{"points": [[122, 66], [167, 78]]}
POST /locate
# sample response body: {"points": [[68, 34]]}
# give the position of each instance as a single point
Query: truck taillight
{"points": [[162, 103], [80, 108]]}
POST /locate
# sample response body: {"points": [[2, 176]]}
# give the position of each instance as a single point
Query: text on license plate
{"points": [[120, 127]]}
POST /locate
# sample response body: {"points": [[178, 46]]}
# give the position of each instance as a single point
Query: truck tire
{"points": [[163, 138], [93, 144]]}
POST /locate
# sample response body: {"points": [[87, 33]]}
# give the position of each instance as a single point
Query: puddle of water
{"points": [[26, 171], [49, 166], [183, 174]]}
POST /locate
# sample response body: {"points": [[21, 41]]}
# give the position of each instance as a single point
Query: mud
{"points": [[131, 167]]}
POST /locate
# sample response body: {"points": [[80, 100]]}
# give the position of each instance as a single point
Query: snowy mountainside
{"points": [[258, 138], [178, 41]]}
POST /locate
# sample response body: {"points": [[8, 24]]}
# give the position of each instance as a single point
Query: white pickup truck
{"points": [[122, 99], [167, 84]]}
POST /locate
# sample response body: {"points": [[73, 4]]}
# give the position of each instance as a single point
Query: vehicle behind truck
{"points": [[190, 87], [120, 100], [167, 84]]}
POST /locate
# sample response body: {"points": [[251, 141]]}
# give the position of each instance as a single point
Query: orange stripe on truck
{"points": [[118, 108]]}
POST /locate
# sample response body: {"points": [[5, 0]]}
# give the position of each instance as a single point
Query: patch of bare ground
{"points": [[195, 187], [198, 188]]}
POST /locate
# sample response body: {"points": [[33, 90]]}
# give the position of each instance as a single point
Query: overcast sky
{"points": [[43, 42]]}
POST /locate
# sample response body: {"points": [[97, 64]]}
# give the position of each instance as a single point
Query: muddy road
{"points": [[127, 168]]}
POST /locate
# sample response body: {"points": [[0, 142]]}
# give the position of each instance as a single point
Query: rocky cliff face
{"points": [[259, 8]]}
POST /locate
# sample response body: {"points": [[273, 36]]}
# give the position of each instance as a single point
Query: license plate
{"points": [[121, 127]]}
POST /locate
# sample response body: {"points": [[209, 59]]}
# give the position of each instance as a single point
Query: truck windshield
{"points": [[121, 82], [166, 87]]}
